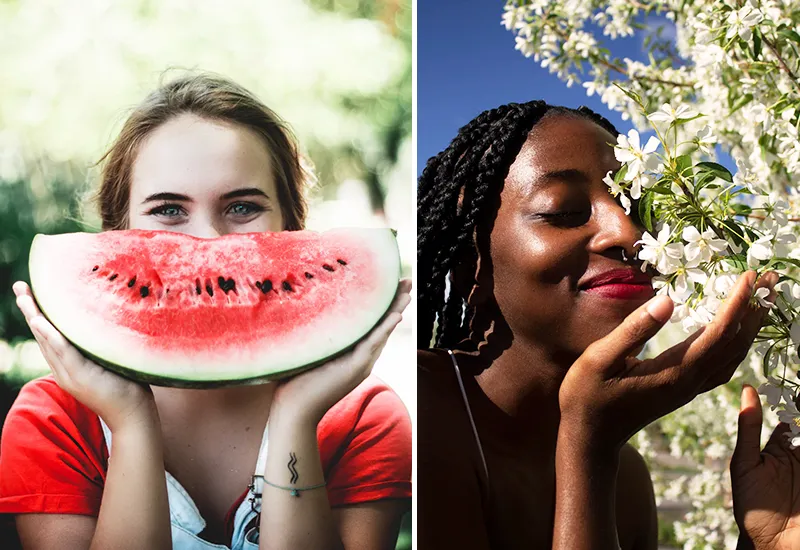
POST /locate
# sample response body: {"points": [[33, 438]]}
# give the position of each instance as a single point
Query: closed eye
{"points": [[566, 218]]}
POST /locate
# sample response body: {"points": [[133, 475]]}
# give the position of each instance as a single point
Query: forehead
{"points": [[191, 155], [562, 143]]}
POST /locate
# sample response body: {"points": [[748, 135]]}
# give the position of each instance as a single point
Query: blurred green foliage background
{"points": [[339, 71]]}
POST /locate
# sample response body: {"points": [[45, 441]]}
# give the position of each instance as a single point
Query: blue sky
{"points": [[466, 63]]}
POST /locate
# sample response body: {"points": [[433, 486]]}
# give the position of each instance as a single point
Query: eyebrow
{"points": [[246, 192], [570, 175]]}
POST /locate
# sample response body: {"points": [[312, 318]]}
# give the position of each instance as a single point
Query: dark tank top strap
{"points": [[469, 414]]}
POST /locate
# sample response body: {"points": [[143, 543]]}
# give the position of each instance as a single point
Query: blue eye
{"points": [[168, 210], [245, 208]]}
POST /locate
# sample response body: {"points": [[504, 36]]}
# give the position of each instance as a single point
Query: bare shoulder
{"points": [[637, 523], [428, 359]]}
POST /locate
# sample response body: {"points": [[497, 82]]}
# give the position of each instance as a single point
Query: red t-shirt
{"points": [[53, 457]]}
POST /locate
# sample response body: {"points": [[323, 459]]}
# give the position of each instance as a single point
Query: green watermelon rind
{"points": [[191, 383], [186, 383]]}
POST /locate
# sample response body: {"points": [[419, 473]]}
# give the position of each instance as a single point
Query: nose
{"points": [[617, 232], [206, 228]]}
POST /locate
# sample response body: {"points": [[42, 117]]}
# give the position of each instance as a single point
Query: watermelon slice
{"points": [[171, 309]]}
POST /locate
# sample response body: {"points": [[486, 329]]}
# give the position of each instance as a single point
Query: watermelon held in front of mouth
{"points": [[175, 310]]}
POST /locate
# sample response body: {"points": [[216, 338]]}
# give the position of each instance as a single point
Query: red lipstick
{"points": [[625, 284]]}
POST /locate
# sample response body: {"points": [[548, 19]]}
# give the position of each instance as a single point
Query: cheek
{"points": [[535, 272], [268, 221]]}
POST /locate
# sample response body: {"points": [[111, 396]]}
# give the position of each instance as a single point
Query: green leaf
{"points": [[738, 261], [717, 170], [741, 209], [646, 210], [756, 43], [633, 95], [789, 34], [684, 163], [681, 121], [661, 189], [741, 102], [620, 174], [734, 230]]}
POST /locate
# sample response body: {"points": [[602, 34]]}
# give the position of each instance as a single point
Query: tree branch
{"points": [[783, 64]]}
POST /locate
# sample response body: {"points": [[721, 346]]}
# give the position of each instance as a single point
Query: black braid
{"points": [[472, 168]]}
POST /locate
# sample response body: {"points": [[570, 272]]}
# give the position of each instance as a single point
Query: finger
{"points": [[28, 307], [20, 287], [404, 286], [376, 339], [60, 373], [747, 454], [401, 299], [719, 333], [631, 334], [61, 347]]}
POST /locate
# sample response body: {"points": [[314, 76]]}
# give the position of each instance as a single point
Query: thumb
{"points": [[747, 454], [632, 333]]}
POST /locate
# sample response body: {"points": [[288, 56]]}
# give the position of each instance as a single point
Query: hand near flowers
{"points": [[608, 394], [613, 394], [766, 484]]}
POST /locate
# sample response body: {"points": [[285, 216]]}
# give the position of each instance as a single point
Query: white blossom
{"points": [[665, 256], [616, 190], [669, 114], [701, 247], [742, 21], [629, 151], [761, 250], [706, 139]]}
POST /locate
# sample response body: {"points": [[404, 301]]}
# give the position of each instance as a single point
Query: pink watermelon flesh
{"points": [[171, 309]]}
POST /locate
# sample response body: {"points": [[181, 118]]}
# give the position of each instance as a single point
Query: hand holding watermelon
{"points": [[112, 397], [308, 396]]}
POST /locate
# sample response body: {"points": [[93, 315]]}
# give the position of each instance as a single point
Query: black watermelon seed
{"points": [[266, 286], [326, 267], [226, 285], [197, 286], [95, 268], [210, 289], [309, 275], [342, 262], [144, 291], [114, 276], [132, 282], [286, 286], [258, 285]]}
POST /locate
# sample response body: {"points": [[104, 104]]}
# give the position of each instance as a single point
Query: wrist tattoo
{"points": [[292, 469]]}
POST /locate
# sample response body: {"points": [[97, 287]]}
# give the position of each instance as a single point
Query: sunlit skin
{"points": [[204, 178], [557, 225], [209, 178], [563, 390]]}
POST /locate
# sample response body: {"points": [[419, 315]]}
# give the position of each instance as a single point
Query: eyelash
{"points": [[564, 217], [254, 208], [161, 209]]}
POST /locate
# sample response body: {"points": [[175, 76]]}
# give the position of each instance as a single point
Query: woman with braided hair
{"points": [[530, 387]]}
